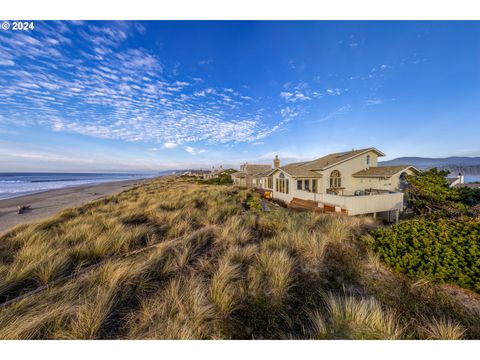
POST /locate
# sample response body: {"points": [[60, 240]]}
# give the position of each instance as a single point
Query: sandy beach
{"points": [[47, 203]]}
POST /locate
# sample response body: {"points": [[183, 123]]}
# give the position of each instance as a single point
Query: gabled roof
{"points": [[383, 171], [333, 159], [299, 170], [239, 174], [450, 181], [265, 173], [309, 168], [253, 169]]}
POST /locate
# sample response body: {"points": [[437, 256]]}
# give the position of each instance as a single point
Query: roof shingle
{"points": [[309, 168], [253, 169], [381, 171]]}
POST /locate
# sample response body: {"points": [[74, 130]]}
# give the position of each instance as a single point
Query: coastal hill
{"points": [[454, 164], [175, 259]]}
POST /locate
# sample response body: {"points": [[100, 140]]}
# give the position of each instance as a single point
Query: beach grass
{"points": [[173, 259]]}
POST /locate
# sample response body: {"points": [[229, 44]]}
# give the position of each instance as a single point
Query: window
{"points": [[403, 182], [270, 182], [335, 179], [368, 160], [282, 184], [276, 184], [307, 185], [299, 184], [314, 185]]}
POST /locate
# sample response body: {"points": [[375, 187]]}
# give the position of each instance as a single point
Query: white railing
{"points": [[356, 205], [306, 195], [365, 204]]}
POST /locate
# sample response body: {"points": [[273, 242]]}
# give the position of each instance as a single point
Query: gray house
{"points": [[251, 175]]}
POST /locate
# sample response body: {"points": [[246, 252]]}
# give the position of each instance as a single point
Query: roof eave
{"points": [[379, 153], [387, 176]]}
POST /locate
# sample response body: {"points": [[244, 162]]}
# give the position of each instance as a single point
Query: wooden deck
{"points": [[300, 204]]}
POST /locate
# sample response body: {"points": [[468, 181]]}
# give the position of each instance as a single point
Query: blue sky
{"points": [[147, 96]]}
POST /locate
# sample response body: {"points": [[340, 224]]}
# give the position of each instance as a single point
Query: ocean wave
{"points": [[61, 180], [11, 181], [14, 185]]}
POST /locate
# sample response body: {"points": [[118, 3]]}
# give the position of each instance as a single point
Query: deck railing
{"points": [[356, 205]]}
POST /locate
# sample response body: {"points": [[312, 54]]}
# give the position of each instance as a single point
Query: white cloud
{"points": [[138, 97], [335, 113], [333, 92], [170, 145], [7, 63], [372, 102], [191, 150], [205, 62]]}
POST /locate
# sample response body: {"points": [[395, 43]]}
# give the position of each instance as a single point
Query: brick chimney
{"points": [[276, 162]]}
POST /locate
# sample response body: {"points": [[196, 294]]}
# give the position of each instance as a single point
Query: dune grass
{"points": [[356, 319], [173, 259]]}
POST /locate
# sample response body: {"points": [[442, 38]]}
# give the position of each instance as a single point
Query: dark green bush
{"points": [[222, 179], [444, 251]]}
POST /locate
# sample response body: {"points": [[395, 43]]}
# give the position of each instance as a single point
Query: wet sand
{"points": [[47, 203]]}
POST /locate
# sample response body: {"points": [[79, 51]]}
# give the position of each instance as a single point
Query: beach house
{"points": [[456, 181], [251, 175], [214, 173], [349, 182]]}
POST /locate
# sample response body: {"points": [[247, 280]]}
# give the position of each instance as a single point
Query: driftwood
{"points": [[23, 208]]}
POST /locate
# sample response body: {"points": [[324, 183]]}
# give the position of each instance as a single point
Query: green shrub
{"points": [[253, 202], [222, 179], [445, 250]]}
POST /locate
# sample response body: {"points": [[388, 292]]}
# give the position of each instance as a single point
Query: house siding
{"points": [[347, 169]]}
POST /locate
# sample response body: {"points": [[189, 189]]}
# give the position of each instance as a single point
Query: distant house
{"points": [[456, 181], [214, 173], [251, 175], [195, 173], [459, 182], [350, 183]]}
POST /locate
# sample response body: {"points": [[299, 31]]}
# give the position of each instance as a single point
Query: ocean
{"points": [[472, 178], [18, 184]]}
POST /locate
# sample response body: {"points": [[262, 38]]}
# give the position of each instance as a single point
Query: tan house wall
{"points": [[347, 169], [248, 180]]}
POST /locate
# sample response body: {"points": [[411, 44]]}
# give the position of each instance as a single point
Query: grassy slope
{"points": [[212, 270]]}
